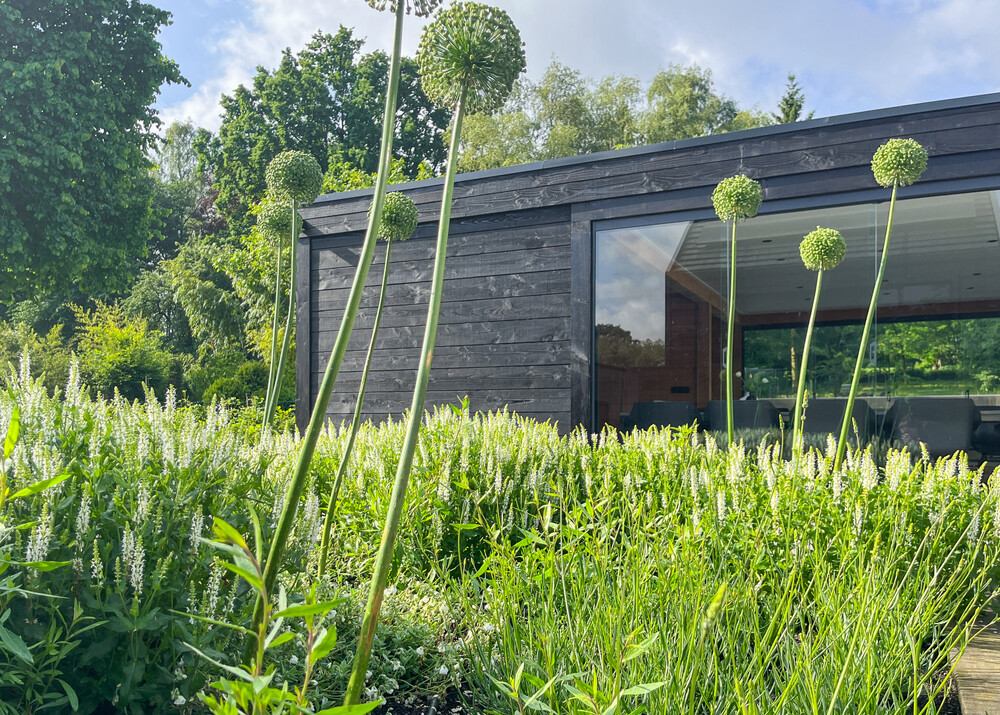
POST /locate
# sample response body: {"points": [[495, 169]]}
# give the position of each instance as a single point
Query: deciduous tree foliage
{"points": [[567, 114], [326, 100], [77, 81]]}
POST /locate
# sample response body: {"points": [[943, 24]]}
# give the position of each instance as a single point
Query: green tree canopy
{"points": [[326, 101], [77, 81], [567, 114]]}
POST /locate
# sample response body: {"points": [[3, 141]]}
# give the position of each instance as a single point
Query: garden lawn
{"points": [[654, 570]]}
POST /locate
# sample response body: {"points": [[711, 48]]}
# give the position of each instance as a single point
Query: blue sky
{"points": [[849, 55]]}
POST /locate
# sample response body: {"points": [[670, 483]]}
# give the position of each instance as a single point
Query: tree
{"points": [[77, 86], [682, 104], [791, 104], [326, 101]]}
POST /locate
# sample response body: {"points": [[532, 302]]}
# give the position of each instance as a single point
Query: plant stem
{"points": [[800, 396], [412, 426], [274, 328], [318, 419], [862, 349], [729, 337], [355, 424], [272, 404]]}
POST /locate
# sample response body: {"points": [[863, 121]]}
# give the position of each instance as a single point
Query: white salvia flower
{"points": [[180, 700], [371, 693], [443, 670], [197, 528], [775, 501], [973, 533], [82, 520], [720, 505], [214, 585], [858, 520], [869, 472], [420, 651], [96, 567], [137, 567], [294, 659], [696, 518], [996, 517], [711, 447], [390, 591], [41, 536], [838, 485], [142, 505]]}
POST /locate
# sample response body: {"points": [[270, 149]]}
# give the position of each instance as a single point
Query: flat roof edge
{"points": [[743, 134]]}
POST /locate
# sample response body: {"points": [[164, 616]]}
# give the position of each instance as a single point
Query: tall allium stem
{"points": [[729, 336], [301, 473], [863, 347], [274, 389], [274, 324], [345, 459], [414, 420], [800, 396]]}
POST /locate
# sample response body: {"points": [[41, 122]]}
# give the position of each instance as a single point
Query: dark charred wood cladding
{"points": [[517, 314]]}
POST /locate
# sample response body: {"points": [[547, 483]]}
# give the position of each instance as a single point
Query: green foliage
{"points": [[206, 293], [48, 356], [248, 381], [791, 104], [399, 217], [737, 197], [75, 204], [899, 162], [326, 101], [153, 299], [567, 114], [822, 249], [118, 353], [473, 51]]}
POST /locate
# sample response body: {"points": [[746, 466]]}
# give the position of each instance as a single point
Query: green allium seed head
{"points": [[422, 8], [294, 175], [822, 249], [737, 197], [474, 47], [899, 161], [275, 219], [399, 217]]}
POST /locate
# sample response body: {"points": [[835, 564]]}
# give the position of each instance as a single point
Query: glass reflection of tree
{"points": [[617, 347]]}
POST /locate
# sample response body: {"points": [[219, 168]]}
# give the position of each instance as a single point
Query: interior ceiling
{"points": [[944, 249]]}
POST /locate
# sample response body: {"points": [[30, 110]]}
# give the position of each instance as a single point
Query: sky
{"points": [[848, 55]]}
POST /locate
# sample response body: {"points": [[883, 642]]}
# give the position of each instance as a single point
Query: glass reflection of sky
{"points": [[630, 276]]}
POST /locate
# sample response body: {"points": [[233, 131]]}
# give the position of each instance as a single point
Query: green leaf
{"points": [[324, 644], [643, 689], [351, 709], [43, 565], [13, 431], [38, 486], [281, 640], [226, 533], [307, 609], [637, 650], [251, 578], [74, 701], [15, 645], [238, 672]]}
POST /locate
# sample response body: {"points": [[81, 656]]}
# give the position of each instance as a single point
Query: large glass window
{"points": [[661, 296]]}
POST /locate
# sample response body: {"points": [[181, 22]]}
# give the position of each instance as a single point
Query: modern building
{"points": [[578, 288]]}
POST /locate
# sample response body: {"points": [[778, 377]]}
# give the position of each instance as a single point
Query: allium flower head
{"points": [[474, 48], [899, 161], [822, 249], [421, 8], [399, 217], [294, 175], [737, 197], [274, 219]]}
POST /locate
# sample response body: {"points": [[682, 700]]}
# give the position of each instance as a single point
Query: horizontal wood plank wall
{"points": [[516, 318], [503, 333]]}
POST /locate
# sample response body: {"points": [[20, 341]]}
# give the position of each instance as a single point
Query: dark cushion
{"points": [[944, 424], [747, 414], [986, 438], [825, 415], [659, 413]]}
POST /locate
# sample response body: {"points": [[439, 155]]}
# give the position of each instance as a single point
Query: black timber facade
{"points": [[517, 321]]}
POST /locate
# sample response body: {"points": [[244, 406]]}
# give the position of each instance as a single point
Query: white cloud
{"points": [[849, 55]]}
